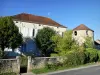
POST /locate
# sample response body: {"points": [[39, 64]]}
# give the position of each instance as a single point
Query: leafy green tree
{"points": [[0, 53], [9, 34], [88, 42], [43, 40], [65, 43]]}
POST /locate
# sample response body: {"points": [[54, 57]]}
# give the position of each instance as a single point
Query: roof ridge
{"points": [[35, 18], [82, 27]]}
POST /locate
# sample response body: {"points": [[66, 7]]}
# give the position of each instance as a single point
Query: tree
{"points": [[9, 34], [65, 43], [88, 42], [0, 53], [43, 40]]}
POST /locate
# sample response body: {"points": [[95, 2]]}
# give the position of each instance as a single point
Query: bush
{"points": [[1, 53], [8, 73], [54, 55], [75, 58], [54, 66], [98, 55], [87, 57], [93, 54], [23, 61]]}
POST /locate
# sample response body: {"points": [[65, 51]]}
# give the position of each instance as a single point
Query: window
{"points": [[75, 33], [16, 21], [57, 32], [33, 32], [62, 34], [38, 30], [87, 32]]}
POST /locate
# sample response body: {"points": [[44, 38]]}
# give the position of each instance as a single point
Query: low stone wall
{"points": [[9, 65], [40, 62]]}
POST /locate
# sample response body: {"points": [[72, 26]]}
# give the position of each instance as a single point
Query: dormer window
{"points": [[75, 33], [87, 32]]}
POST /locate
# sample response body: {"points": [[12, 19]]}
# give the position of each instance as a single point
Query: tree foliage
{"points": [[65, 43], [1, 53], [9, 34], [43, 39], [89, 42]]}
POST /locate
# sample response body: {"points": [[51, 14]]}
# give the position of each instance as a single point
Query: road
{"points": [[86, 71]]}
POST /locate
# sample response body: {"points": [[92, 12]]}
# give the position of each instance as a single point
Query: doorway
{"points": [[23, 64]]}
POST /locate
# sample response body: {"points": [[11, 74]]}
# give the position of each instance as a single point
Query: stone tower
{"points": [[81, 32]]}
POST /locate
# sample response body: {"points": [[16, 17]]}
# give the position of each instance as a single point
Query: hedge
{"points": [[75, 58], [93, 54]]}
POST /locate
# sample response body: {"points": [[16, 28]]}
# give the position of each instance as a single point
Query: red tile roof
{"points": [[36, 19], [82, 27]]}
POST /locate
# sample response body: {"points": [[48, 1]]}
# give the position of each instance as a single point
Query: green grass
{"points": [[45, 70], [8, 73]]}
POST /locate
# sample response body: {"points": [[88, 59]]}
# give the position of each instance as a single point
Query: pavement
{"points": [[94, 70], [30, 73], [86, 70]]}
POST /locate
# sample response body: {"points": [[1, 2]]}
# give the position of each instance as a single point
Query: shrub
{"points": [[98, 55], [75, 58], [87, 57], [54, 55], [93, 54], [54, 66], [23, 61], [1, 53]]}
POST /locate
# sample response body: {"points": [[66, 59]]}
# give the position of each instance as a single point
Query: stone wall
{"points": [[9, 65], [40, 62]]}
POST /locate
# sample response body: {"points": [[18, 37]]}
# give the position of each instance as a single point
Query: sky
{"points": [[69, 13]]}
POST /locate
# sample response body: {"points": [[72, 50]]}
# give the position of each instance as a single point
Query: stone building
{"points": [[29, 25], [97, 44], [81, 32]]}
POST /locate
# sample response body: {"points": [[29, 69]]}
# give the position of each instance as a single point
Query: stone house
{"points": [[29, 25]]}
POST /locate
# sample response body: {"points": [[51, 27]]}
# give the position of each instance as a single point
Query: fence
{"points": [[9, 65]]}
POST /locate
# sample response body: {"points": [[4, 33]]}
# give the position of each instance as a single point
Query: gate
{"points": [[23, 64]]}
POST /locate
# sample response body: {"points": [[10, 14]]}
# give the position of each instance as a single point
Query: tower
{"points": [[81, 32]]}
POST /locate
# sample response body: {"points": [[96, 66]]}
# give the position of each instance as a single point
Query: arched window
{"points": [[16, 21], [75, 33], [33, 32]]}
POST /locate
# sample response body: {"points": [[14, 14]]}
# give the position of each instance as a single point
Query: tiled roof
{"points": [[36, 19], [82, 27]]}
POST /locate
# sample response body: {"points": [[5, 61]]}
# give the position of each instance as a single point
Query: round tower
{"points": [[81, 32]]}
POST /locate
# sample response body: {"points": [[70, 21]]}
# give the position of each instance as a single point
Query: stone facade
{"points": [[81, 32], [80, 35]]}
